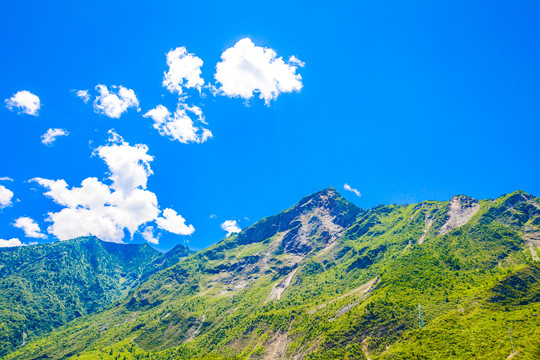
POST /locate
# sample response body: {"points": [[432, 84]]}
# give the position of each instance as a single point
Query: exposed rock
{"points": [[460, 210], [195, 328], [278, 289], [277, 346], [532, 238], [317, 221], [361, 290], [429, 222]]}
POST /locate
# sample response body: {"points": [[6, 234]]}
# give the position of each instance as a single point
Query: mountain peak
{"points": [[326, 198], [325, 211]]}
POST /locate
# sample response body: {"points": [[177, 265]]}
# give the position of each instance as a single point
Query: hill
{"points": [[45, 286], [328, 280]]}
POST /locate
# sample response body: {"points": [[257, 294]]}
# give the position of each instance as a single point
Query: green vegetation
{"points": [[327, 280], [43, 287]]}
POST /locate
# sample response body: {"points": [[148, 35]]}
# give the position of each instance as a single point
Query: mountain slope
{"points": [[45, 286], [327, 280]]}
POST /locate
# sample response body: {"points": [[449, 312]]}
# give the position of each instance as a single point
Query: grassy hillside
{"points": [[327, 280], [45, 286]]}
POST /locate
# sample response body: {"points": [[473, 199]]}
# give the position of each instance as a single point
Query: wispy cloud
{"points": [[351, 189], [50, 136], [83, 94], [180, 126], [30, 227]]}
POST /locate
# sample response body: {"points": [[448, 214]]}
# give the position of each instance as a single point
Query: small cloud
{"points": [[184, 71], [25, 102], [6, 196], [351, 189], [10, 243], [230, 227], [115, 102], [30, 227], [50, 136], [6, 178], [83, 94], [174, 223], [148, 235], [179, 125], [212, 216], [246, 69]]}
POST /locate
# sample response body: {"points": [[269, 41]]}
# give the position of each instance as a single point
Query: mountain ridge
{"points": [[45, 286], [325, 279]]}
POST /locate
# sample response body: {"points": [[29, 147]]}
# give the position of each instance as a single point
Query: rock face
{"points": [[314, 223], [318, 220], [325, 213], [460, 210]]}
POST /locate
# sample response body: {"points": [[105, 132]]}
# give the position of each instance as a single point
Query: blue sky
{"points": [[404, 102]]}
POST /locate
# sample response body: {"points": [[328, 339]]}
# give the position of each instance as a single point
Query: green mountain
{"points": [[45, 286], [327, 280]]}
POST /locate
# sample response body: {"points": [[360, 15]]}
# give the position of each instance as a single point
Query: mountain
{"points": [[325, 279], [45, 286]]}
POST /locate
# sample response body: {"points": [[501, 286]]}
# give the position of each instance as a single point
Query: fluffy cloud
{"points": [[230, 227], [10, 243], [83, 94], [351, 189], [106, 211], [129, 165], [5, 197], [246, 69], [172, 222], [6, 178], [50, 136], [184, 71], [179, 125], [115, 102], [30, 227], [25, 101]]}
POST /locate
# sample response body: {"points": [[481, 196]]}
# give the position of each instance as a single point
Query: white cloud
{"points": [[30, 227], [50, 136], [10, 243], [230, 227], [148, 235], [5, 197], [25, 101], [106, 211], [83, 94], [115, 102], [246, 69], [179, 125], [351, 189], [6, 178], [172, 222], [184, 71], [129, 165]]}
